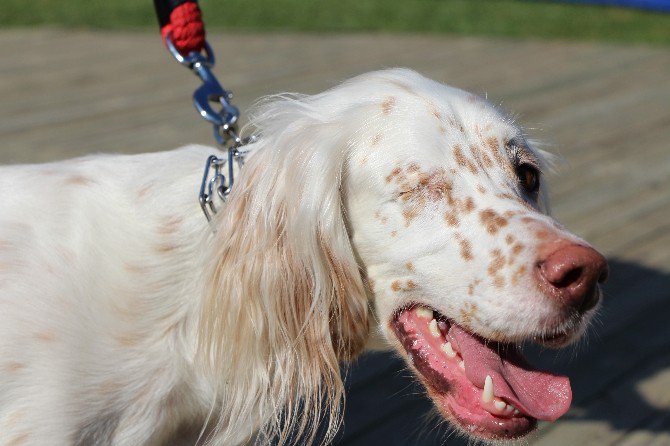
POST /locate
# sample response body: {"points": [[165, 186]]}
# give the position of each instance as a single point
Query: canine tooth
{"points": [[509, 409], [448, 349], [487, 394], [461, 365], [499, 404], [424, 313], [516, 411], [432, 326]]}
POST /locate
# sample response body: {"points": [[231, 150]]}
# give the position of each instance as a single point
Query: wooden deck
{"points": [[605, 109]]}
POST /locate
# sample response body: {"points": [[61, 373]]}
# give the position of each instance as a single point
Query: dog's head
{"points": [[447, 209], [436, 200]]}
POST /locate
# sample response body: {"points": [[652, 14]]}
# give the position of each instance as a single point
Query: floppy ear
{"points": [[284, 300]]}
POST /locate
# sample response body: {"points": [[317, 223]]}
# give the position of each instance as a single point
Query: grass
{"points": [[507, 18]]}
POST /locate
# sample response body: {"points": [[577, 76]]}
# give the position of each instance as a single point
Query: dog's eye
{"points": [[529, 177]]}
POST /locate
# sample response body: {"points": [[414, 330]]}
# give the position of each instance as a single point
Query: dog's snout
{"points": [[573, 273]]}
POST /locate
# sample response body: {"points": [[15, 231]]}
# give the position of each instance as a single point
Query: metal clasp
{"points": [[214, 182], [209, 93]]}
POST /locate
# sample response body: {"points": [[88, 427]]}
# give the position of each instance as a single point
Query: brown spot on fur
{"points": [[499, 282], [128, 339], [472, 168], [516, 249], [395, 285], [458, 155], [492, 220], [468, 313], [394, 173], [394, 233], [144, 190], [510, 214], [170, 225], [436, 113], [451, 218], [13, 367], [409, 266], [472, 286], [481, 189], [469, 205], [497, 262], [466, 249], [411, 285], [542, 234], [517, 274], [409, 216], [509, 239], [135, 269], [442, 130], [388, 104], [508, 197], [494, 147], [413, 168], [166, 248], [371, 283], [78, 180], [486, 160], [384, 220], [431, 187], [45, 336], [363, 160], [376, 139]]}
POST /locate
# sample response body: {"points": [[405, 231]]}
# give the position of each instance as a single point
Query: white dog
{"points": [[390, 205]]}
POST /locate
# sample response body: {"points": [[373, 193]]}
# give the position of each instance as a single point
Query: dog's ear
{"points": [[285, 301]]}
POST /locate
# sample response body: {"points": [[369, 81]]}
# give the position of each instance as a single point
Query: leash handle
{"points": [[182, 20]]}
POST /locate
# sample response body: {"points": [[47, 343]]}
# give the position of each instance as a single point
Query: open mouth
{"points": [[486, 387]]}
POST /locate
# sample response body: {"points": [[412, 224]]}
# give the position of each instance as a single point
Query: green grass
{"points": [[508, 18]]}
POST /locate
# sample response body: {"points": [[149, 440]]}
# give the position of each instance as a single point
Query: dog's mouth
{"points": [[486, 387]]}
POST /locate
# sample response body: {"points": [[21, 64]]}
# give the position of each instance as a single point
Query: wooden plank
{"points": [[607, 423]]}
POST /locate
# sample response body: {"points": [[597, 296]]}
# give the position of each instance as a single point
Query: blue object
{"points": [[656, 5]]}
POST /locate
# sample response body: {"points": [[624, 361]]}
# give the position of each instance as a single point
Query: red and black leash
{"points": [[183, 32], [182, 20]]}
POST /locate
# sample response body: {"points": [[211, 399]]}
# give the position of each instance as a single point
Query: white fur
{"points": [[123, 316]]}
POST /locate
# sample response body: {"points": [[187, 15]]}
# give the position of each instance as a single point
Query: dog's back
{"points": [[88, 251]]}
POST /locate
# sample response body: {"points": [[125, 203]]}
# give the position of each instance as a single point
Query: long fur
{"points": [[294, 298]]}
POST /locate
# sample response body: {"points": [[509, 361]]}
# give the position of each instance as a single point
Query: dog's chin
{"points": [[485, 388]]}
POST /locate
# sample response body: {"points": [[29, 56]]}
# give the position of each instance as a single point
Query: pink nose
{"points": [[572, 273]]}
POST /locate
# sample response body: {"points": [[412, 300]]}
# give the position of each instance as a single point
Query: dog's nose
{"points": [[572, 273]]}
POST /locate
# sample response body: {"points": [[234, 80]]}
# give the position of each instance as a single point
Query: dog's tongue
{"points": [[539, 394]]}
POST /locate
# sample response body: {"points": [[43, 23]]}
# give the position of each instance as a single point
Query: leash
{"points": [[183, 33]]}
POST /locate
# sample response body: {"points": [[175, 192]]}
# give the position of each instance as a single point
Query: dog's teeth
{"points": [[424, 313], [516, 411], [461, 365], [448, 349], [432, 326], [509, 409], [487, 394], [500, 405], [442, 326]]}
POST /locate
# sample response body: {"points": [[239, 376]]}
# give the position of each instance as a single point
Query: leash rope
{"points": [[183, 33]]}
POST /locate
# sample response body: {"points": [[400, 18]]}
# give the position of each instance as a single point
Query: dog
{"points": [[390, 208]]}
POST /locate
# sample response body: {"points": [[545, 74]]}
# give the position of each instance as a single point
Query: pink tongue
{"points": [[538, 394]]}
